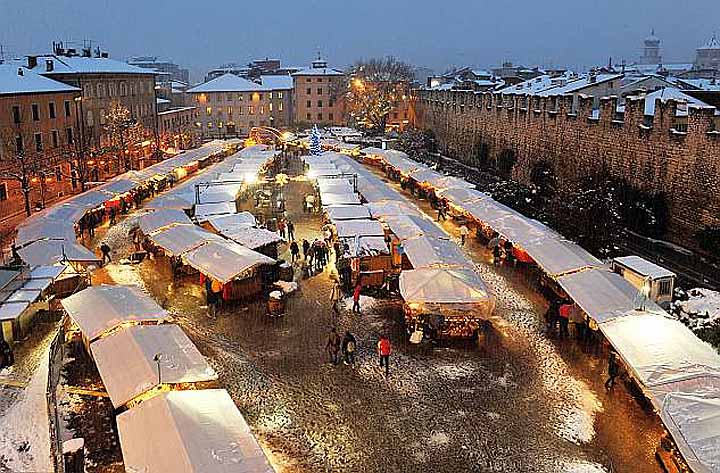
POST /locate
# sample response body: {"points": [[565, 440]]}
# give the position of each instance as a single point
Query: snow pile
{"points": [[25, 432], [287, 287], [698, 308]]}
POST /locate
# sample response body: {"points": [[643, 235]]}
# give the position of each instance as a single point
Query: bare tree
{"points": [[372, 89], [122, 129]]}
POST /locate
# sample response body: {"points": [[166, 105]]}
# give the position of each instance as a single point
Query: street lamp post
{"points": [[157, 126]]}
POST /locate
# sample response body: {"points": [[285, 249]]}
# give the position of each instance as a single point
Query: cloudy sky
{"points": [[431, 33]]}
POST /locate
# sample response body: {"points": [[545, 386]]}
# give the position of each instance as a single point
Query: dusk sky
{"points": [[435, 34]]}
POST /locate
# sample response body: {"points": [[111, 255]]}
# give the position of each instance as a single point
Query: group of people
{"points": [[344, 349], [286, 228]]}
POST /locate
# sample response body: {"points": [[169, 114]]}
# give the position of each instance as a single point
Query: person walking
{"points": [[137, 240], [335, 297], [310, 203], [564, 319], [290, 230], [112, 215], [306, 248], [384, 348], [613, 370], [294, 251], [464, 232], [281, 228], [356, 299], [6, 354], [333, 346], [441, 212], [105, 250], [551, 316], [310, 255], [349, 346], [210, 298]]}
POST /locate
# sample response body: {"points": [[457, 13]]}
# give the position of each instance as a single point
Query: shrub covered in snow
{"points": [[699, 309]]}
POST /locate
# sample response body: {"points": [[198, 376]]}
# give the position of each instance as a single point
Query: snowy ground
{"points": [[699, 309]]}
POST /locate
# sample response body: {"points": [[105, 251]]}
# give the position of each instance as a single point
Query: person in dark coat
{"points": [[613, 370], [349, 347], [333, 346], [294, 251], [290, 230], [6, 354], [105, 250], [306, 248]]}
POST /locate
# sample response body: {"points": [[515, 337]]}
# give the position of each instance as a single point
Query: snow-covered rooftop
{"points": [[87, 65], [277, 82], [318, 71], [713, 43], [537, 84], [644, 267], [227, 83], [580, 84], [668, 93], [29, 82]]}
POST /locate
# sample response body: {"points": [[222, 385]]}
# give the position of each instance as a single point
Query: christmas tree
{"points": [[315, 147]]}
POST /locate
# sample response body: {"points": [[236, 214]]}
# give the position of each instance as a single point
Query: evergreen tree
{"points": [[315, 147]]}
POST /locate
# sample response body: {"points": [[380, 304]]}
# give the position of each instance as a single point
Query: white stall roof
{"points": [[125, 360], [25, 294], [379, 210], [224, 260], [442, 286], [90, 199], [171, 201], [219, 193], [366, 246], [199, 431], [153, 221], [411, 226], [644, 267], [47, 272], [205, 211], [427, 252], [98, 309], [487, 210], [450, 182], [401, 162], [227, 223], [339, 199], [462, 195], [557, 257], [602, 294], [47, 228], [48, 252], [694, 423], [425, 175], [521, 230], [351, 228], [182, 238], [251, 237], [12, 310], [118, 186], [335, 186], [347, 212]]}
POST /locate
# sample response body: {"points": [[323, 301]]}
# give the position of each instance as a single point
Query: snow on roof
{"points": [[668, 93], [200, 431], [644, 267], [98, 309], [700, 84], [126, 360], [318, 71], [537, 84], [227, 83], [224, 260], [713, 43], [580, 84], [87, 65], [29, 82], [277, 82]]}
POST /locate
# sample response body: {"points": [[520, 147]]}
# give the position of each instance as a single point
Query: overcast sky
{"points": [[435, 33]]}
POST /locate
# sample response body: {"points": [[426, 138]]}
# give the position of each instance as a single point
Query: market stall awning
{"points": [[154, 221], [199, 431], [180, 239], [347, 212], [339, 199], [450, 182], [224, 260], [99, 309], [118, 186], [603, 295], [411, 226], [171, 201], [443, 286], [487, 211], [522, 231], [49, 252], [557, 257], [205, 211], [231, 222], [379, 210], [351, 228], [425, 252], [126, 360], [461, 195], [46, 228], [219, 193], [12, 310], [362, 246], [251, 237]]}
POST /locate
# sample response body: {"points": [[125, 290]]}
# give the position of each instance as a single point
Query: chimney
{"points": [[31, 62], [21, 72], [49, 65]]}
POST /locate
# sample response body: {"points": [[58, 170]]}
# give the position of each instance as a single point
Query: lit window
{"points": [[280, 95], [38, 142], [262, 109], [280, 107], [251, 110], [220, 124], [208, 110], [270, 107]]}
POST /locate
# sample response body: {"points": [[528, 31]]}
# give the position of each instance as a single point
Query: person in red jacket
{"points": [[356, 299], [564, 318], [384, 348]]}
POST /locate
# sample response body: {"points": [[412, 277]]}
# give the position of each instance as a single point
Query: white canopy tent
{"points": [[99, 309], [557, 257], [347, 212], [411, 226], [126, 361], [351, 228], [487, 210], [182, 238], [521, 230], [251, 237], [360, 246], [224, 260], [189, 432], [49, 252], [461, 195], [159, 219], [204, 211], [339, 199], [382, 209], [425, 252], [231, 222]]}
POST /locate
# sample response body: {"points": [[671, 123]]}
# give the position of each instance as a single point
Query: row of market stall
{"points": [[171, 415], [226, 249], [678, 372], [49, 261], [438, 282]]}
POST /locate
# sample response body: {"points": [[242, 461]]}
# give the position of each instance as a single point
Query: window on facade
{"points": [[308, 117], [280, 95], [38, 142], [69, 136], [58, 174], [664, 287], [309, 91], [51, 109], [54, 138], [395, 115], [111, 89], [308, 80], [208, 111], [17, 117], [262, 109], [309, 104], [19, 144], [3, 191], [319, 103], [319, 116], [100, 90], [67, 108], [270, 107], [35, 112], [220, 124], [330, 116], [229, 111], [330, 103], [132, 89], [319, 79], [90, 120], [280, 106], [210, 125], [319, 91], [251, 110], [123, 89]]}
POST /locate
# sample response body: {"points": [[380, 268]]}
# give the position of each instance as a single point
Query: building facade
{"points": [[38, 136], [317, 98], [708, 56], [651, 50], [231, 105], [170, 70], [177, 128]]}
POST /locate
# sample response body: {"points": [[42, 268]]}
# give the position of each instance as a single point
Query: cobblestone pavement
{"points": [[516, 401]]}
